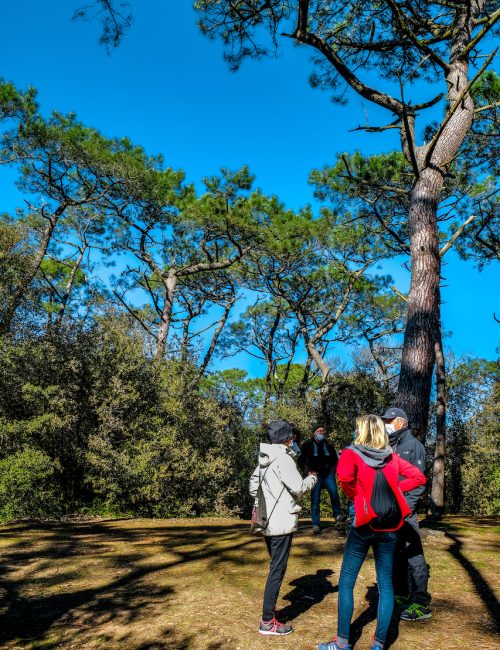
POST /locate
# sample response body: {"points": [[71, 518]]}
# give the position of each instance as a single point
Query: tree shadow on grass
{"points": [[171, 640], [369, 615], [27, 611], [28, 619], [481, 585], [455, 522], [308, 590]]}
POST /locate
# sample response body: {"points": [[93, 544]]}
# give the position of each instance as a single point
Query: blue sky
{"points": [[169, 89]]}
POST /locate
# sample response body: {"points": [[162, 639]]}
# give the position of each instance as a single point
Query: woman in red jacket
{"points": [[369, 473]]}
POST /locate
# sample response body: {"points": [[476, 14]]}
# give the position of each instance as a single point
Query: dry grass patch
{"points": [[197, 585]]}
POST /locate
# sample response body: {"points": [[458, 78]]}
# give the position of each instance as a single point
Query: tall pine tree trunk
{"points": [[418, 356], [439, 465], [433, 161]]}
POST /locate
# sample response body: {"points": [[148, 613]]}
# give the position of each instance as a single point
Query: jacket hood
{"points": [[376, 458], [269, 453]]}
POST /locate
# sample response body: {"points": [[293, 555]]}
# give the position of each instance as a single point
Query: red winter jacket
{"points": [[356, 479]]}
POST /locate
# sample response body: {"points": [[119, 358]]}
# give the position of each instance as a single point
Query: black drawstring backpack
{"points": [[385, 504]]}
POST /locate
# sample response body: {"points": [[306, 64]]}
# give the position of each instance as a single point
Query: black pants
{"points": [[279, 550], [410, 572]]}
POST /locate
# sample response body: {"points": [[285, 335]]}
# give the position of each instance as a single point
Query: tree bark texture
{"points": [[439, 465], [166, 316], [418, 355]]}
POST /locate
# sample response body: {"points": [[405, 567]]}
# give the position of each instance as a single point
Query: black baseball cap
{"points": [[393, 412], [279, 431]]}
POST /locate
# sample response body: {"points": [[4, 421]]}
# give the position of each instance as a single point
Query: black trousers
{"points": [[278, 547], [410, 571]]}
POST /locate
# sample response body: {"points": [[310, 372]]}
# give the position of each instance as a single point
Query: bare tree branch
{"points": [[456, 235], [399, 294]]}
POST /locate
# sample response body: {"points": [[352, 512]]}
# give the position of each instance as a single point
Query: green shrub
{"points": [[28, 486], [481, 470]]}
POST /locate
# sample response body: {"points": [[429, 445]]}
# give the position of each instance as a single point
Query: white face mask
{"points": [[319, 436], [390, 428]]}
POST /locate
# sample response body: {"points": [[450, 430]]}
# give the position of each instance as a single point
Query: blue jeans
{"points": [[331, 486], [359, 541]]}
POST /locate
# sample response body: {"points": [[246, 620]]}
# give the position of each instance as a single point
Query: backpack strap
{"points": [[276, 502]]}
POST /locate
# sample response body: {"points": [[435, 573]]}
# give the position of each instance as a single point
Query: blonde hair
{"points": [[370, 431]]}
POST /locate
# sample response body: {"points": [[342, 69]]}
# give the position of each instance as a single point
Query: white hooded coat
{"points": [[282, 484]]}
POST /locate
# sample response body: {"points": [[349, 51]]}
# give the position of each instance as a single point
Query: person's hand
{"points": [[313, 474]]}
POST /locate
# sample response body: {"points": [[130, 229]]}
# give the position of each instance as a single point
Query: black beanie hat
{"points": [[279, 431]]}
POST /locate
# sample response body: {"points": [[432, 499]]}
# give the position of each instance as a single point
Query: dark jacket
{"points": [[318, 457], [405, 445]]}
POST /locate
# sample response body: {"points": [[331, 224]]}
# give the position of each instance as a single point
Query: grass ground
{"points": [[197, 585]]}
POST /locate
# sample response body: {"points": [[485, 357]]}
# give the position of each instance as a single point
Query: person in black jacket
{"points": [[318, 455], [410, 572]]}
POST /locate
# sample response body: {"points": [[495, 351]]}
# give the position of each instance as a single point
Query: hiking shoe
{"points": [[316, 530], [332, 645], [274, 628], [402, 602], [340, 519], [415, 612]]}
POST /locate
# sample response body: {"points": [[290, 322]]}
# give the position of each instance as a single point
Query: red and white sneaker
{"points": [[274, 628]]}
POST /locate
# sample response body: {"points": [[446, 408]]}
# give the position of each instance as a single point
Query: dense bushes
{"points": [[28, 486], [90, 423], [481, 474]]}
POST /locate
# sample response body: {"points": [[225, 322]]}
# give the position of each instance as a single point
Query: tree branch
{"points": [[431, 102], [214, 266], [132, 313], [486, 108], [391, 232], [432, 144], [399, 294], [456, 235], [302, 15], [434, 57], [490, 21], [409, 131], [215, 337], [69, 285], [382, 99], [378, 129]]}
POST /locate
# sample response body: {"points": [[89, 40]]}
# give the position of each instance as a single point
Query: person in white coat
{"points": [[275, 485]]}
